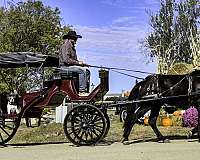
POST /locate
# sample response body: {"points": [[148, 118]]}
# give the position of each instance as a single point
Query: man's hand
{"points": [[81, 63]]}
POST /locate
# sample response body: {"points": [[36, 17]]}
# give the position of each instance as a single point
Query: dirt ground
{"points": [[175, 150]]}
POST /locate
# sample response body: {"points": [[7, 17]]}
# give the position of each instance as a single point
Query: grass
{"points": [[54, 132], [42, 134]]}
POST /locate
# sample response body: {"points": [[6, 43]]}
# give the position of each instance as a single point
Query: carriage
{"points": [[87, 122]]}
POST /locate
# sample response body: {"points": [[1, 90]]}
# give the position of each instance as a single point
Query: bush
{"points": [[190, 117]]}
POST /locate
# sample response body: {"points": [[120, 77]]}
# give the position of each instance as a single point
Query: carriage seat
{"points": [[59, 75], [64, 74]]}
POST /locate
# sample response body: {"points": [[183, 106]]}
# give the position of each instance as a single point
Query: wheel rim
{"points": [[8, 127], [84, 125]]}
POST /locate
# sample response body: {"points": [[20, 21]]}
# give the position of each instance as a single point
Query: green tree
{"points": [[28, 26], [172, 28]]}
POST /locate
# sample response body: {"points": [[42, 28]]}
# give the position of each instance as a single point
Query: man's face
{"points": [[73, 41]]}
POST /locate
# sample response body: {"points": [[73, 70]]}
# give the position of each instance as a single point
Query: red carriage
{"points": [[85, 124]]}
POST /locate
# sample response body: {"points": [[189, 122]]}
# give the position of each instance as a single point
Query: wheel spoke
{"points": [[75, 137], [90, 134], [86, 113], [95, 132], [98, 119], [1, 137], [5, 131], [77, 120], [95, 116], [9, 127], [73, 126], [90, 116], [86, 135], [81, 137], [99, 130], [98, 123], [98, 126], [70, 132], [79, 131]]}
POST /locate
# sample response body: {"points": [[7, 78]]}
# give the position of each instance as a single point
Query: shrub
{"points": [[190, 117]]}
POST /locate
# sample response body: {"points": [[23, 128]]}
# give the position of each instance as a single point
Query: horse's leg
{"points": [[152, 122], [132, 117], [129, 122]]}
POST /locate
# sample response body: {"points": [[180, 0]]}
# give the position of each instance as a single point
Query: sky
{"points": [[111, 31]]}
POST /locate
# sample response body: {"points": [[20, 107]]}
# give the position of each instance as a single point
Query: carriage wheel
{"points": [[85, 125], [8, 127]]}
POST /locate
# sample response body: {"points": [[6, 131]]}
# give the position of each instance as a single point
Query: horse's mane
{"points": [[135, 91]]}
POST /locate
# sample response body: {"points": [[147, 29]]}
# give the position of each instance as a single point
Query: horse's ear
{"points": [[136, 81]]}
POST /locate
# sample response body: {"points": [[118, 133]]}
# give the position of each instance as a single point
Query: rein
{"points": [[172, 87], [121, 69], [128, 75], [117, 70]]}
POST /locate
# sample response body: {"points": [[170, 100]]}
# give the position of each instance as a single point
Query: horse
{"points": [[157, 90]]}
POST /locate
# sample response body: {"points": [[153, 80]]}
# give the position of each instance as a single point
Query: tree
{"points": [[173, 26], [28, 26]]}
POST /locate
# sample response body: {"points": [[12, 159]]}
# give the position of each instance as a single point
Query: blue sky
{"points": [[111, 30]]}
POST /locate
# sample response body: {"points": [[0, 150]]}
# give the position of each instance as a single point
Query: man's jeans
{"points": [[83, 75]]}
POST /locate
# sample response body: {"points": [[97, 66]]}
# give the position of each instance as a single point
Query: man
{"points": [[68, 59]]}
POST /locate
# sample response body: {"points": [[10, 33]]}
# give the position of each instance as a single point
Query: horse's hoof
{"points": [[189, 135], [163, 141], [126, 143], [166, 141], [124, 140]]}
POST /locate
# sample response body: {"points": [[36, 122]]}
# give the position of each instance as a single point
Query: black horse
{"points": [[155, 91]]}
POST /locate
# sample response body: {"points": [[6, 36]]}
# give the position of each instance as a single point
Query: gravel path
{"points": [[176, 150]]}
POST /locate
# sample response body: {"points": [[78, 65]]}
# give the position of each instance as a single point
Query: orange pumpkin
{"points": [[177, 113], [146, 120], [166, 122]]}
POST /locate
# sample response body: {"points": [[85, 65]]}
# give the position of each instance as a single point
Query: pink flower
{"points": [[190, 117]]}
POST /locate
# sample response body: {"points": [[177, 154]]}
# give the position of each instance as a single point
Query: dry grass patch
{"points": [[54, 132]]}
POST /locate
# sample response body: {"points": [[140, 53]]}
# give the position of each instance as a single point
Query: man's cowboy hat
{"points": [[71, 34]]}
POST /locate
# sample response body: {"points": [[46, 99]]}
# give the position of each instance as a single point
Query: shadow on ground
{"points": [[175, 137], [21, 145], [32, 144], [107, 142]]}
